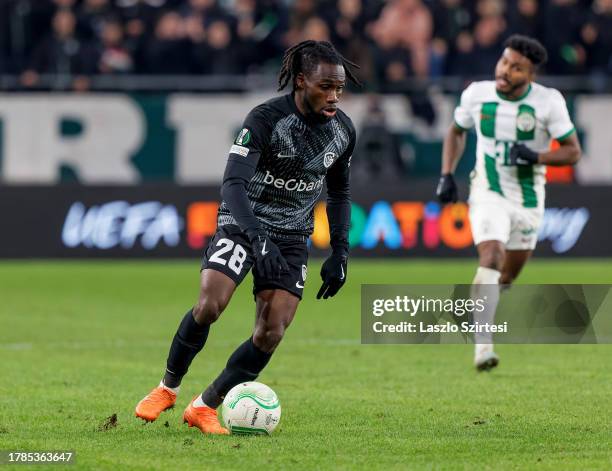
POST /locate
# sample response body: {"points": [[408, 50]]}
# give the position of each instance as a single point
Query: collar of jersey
{"points": [[503, 97]]}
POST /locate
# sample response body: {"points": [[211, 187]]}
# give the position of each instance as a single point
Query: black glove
{"points": [[520, 154], [333, 274], [268, 258], [447, 189]]}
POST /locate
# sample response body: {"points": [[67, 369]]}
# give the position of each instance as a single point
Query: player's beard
{"points": [[513, 88], [312, 114]]}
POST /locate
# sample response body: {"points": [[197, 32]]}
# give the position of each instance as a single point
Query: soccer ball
{"points": [[250, 409]]}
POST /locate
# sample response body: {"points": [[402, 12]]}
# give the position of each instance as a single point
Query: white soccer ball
{"points": [[251, 408]]}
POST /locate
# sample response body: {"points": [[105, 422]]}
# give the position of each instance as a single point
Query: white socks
{"points": [[199, 402], [485, 286], [173, 390]]}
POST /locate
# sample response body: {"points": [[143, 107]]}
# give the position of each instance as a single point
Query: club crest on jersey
{"points": [[525, 122], [304, 272], [329, 159], [244, 137]]}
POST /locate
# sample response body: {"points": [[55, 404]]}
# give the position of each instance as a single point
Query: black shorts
{"points": [[230, 253]]}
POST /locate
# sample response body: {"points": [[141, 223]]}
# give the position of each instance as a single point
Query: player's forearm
{"points": [[452, 150], [564, 155], [339, 208], [235, 196], [339, 217]]}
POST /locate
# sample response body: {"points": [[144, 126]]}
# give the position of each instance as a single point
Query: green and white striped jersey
{"points": [[532, 119]]}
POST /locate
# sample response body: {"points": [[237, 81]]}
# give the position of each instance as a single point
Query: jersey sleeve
{"points": [[244, 155], [338, 175], [559, 123], [463, 116], [252, 139]]}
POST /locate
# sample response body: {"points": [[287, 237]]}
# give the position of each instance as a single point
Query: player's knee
{"points": [[267, 338], [207, 311], [493, 259]]}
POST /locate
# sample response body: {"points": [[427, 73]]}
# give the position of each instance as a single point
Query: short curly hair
{"points": [[531, 48]]}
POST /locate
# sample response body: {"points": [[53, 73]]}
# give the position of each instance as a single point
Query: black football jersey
{"points": [[293, 158]]}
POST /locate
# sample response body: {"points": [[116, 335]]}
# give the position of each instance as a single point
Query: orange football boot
{"points": [[204, 418], [155, 403]]}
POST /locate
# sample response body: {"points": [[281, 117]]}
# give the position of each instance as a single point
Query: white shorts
{"points": [[495, 218]]}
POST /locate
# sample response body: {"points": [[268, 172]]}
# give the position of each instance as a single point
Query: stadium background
{"points": [[115, 121], [133, 93]]}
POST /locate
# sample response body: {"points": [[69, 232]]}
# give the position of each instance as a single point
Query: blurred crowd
{"points": [[392, 40]]}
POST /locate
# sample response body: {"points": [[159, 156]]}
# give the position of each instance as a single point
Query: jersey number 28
{"points": [[236, 260]]}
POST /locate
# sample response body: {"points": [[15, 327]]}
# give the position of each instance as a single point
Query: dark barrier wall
{"points": [[173, 221]]}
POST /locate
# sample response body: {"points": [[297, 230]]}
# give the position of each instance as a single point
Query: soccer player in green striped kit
{"points": [[515, 120]]}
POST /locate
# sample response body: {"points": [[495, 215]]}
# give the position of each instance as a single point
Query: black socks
{"points": [[187, 342], [245, 364]]}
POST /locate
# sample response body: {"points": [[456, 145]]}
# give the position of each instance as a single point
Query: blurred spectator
{"points": [[168, 51], [349, 21], [488, 39], [450, 18], [91, 15], [406, 24], [113, 56], [562, 20], [62, 53], [392, 40], [525, 17], [316, 29], [205, 11], [301, 11], [217, 55], [259, 31], [596, 38], [392, 62], [477, 55], [4, 37], [64, 4], [140, 16], [487, 8]]}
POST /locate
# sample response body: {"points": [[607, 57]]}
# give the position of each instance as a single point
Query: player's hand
{"points": [[520, 154], [268, 258], [447, 189], [333, 274]]}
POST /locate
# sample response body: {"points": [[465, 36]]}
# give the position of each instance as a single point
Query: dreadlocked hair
{"points": [[305, 56]]}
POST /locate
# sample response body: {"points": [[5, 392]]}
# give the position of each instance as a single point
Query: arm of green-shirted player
{"points": [[568, 152], [453, 147], [452, 150]]}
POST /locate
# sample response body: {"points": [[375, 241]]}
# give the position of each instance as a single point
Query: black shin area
{"points": [[245, 364], [187, 342]]}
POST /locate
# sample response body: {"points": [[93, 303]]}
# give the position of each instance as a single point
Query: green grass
{"points": [[81, 341]]}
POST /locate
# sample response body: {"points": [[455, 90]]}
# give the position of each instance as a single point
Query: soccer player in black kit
{"points": [[287, 149]]}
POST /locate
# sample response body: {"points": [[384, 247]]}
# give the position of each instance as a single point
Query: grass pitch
{"points": [[82, 341]]}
